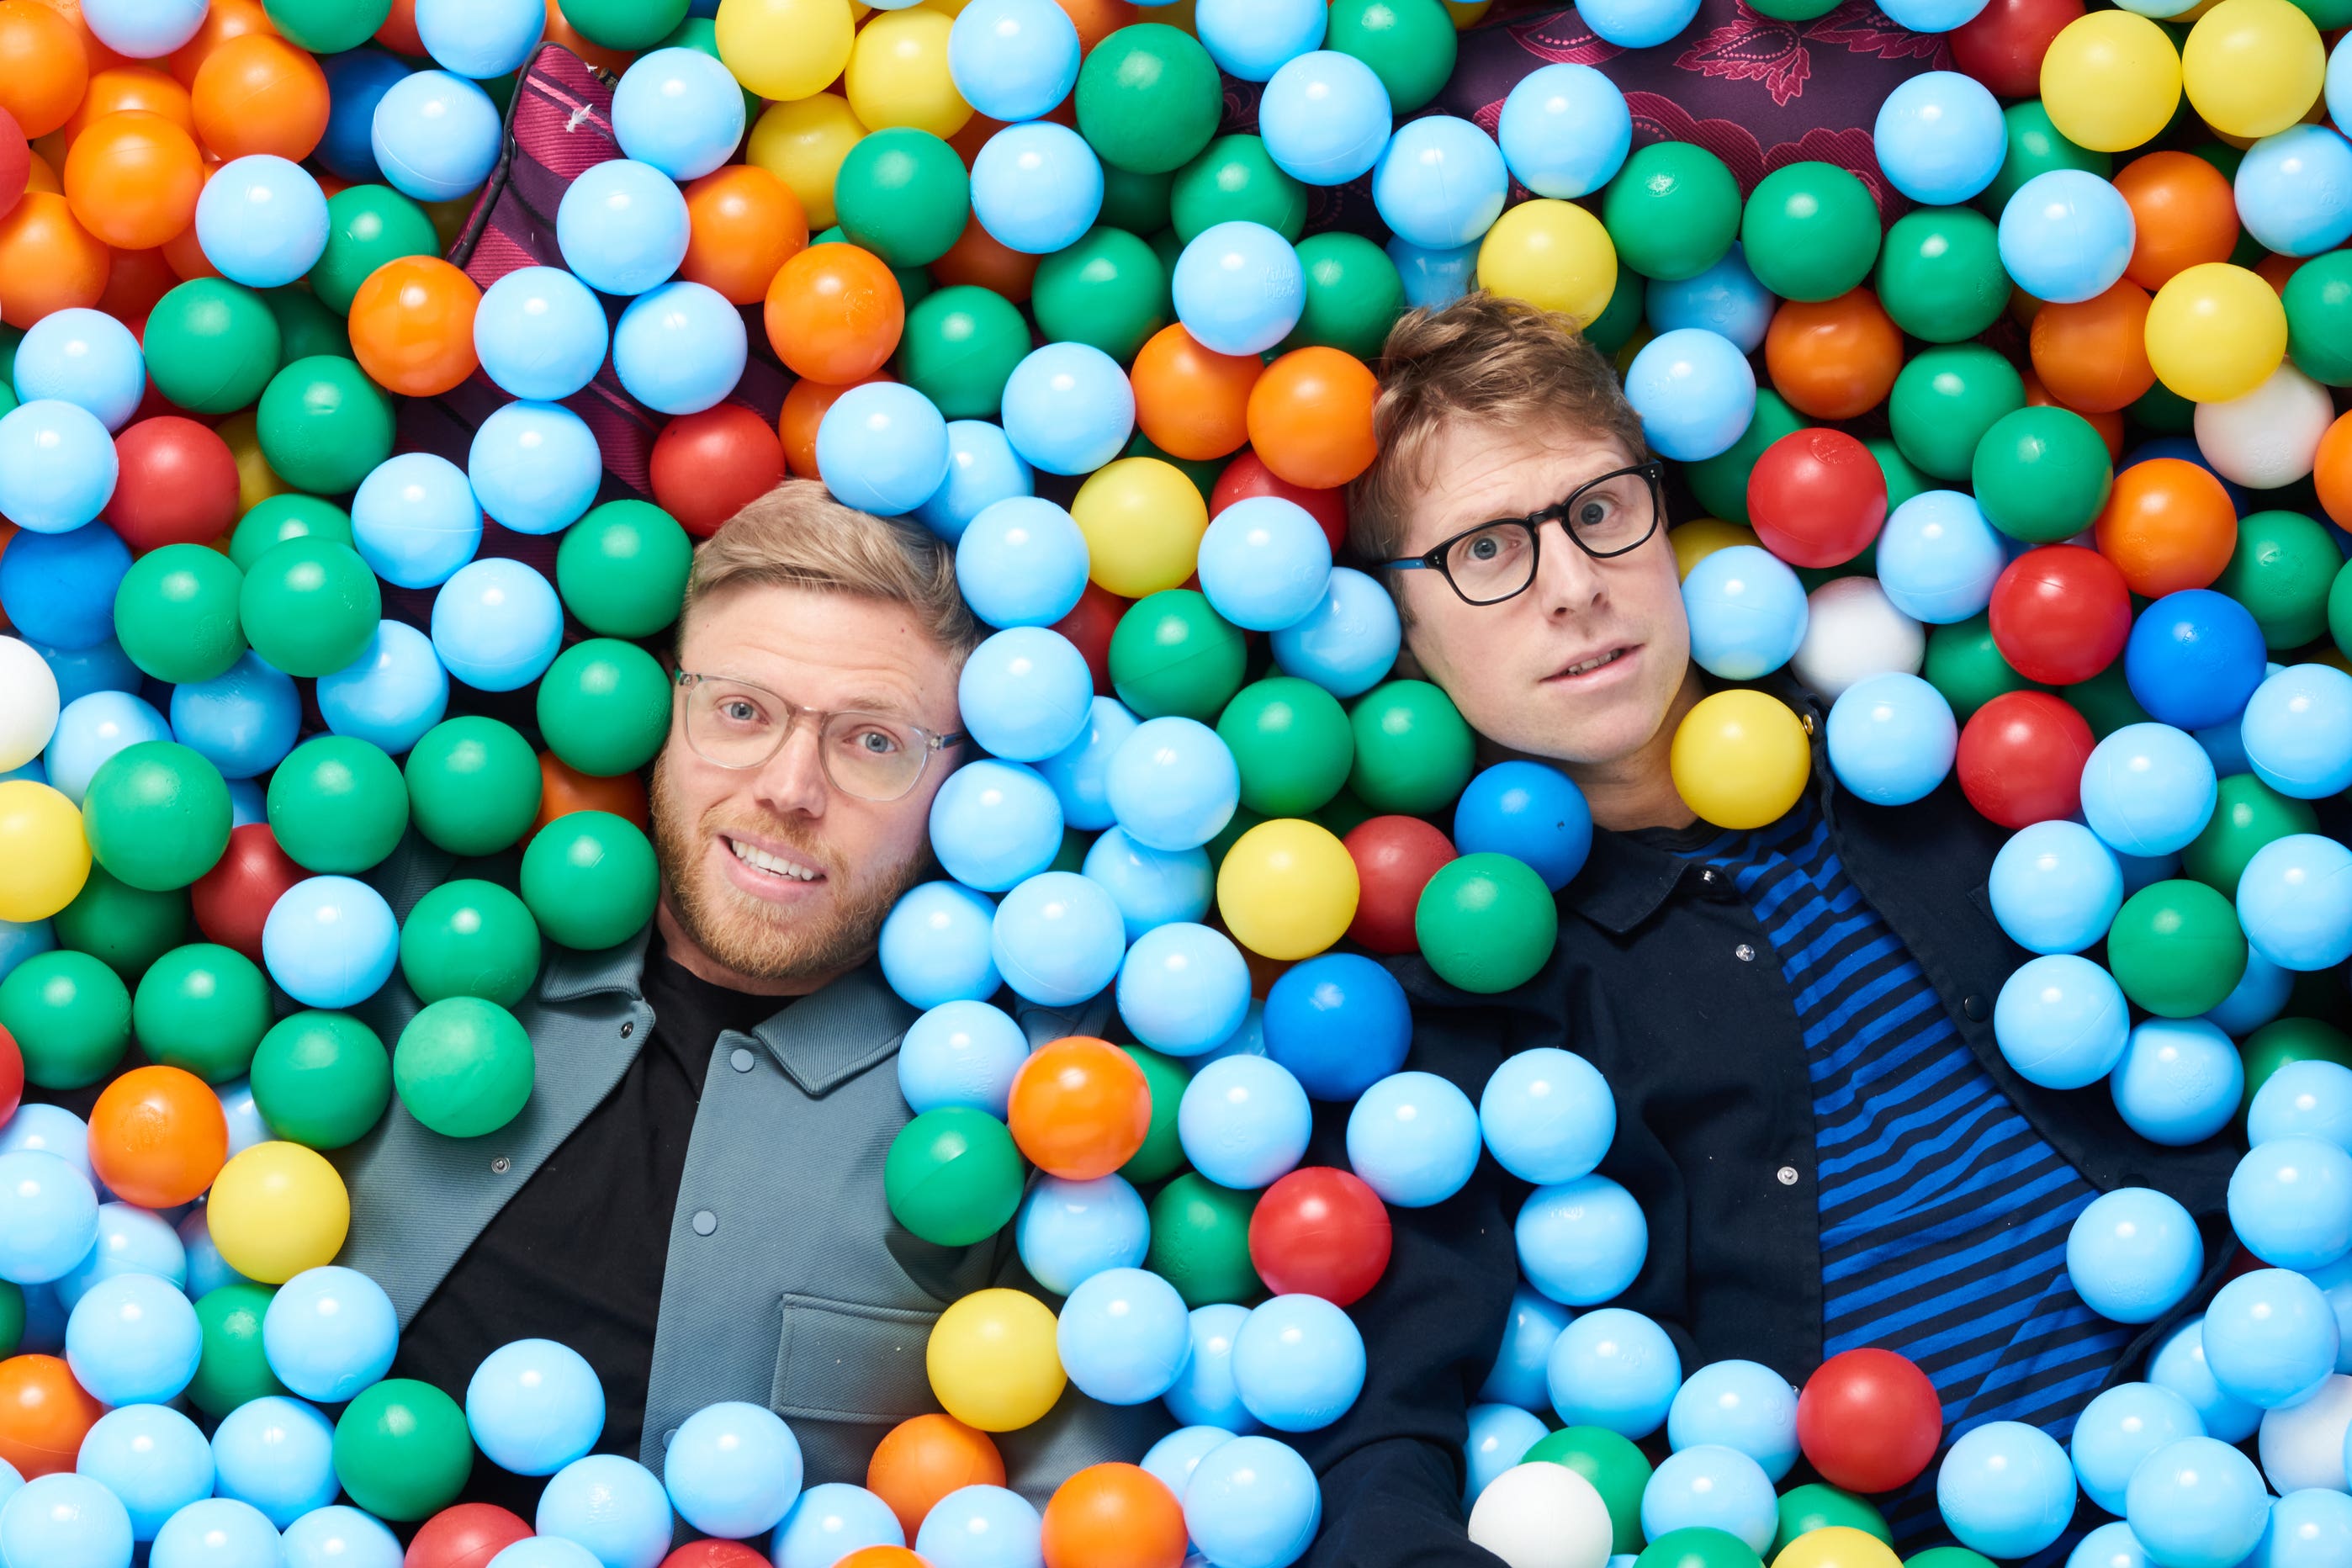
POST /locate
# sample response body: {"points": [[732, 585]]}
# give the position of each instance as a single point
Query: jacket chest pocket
{"points": [[846, 1374]]}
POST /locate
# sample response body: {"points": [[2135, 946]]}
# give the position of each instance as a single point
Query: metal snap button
{"points": [[501, 1166], [1745, 954], [628, 1029], [1788, 1174]]}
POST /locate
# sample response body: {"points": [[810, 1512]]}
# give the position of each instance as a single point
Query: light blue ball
{"points": [[934, 945], [206, 1270], [497, 625], [52, 1130], [983, 469], [480, 38], [65, 1520], [130, 1240], [152, 1458], [2291, 1202], [102, 665], [2294, 899], [1582, 1242], [679, 110], [1251, 39], [828, 1522], [58, 469], [2298, 730], [1440, 181], [276, 1453], [1565, 131], [2061, 1021], [1022, 562], [2198, 1503], [981, 1527], [962, 1053], [1123, 1336], [1711, 1487], [2121, 1427], [1500, 1436], [2227, 747], [534, 1406], [262, 221], [2179, 1082], [1299, 1363], [2294, 191], [1014, 59], [883, 447], [1614, 1368], [2006, 1490], [415, 520], [1067, 408], [91, 729], [391, 694], [2307, 1529], [2055, 888], [1746, 610], [1239, 288], [242, 722], [1938, 558], [534, 466], [1204, 1393], [541, 333], [1548, 1115], [2179, 1365], [1026, 694], [1739, 1404], [621, 227], [2134, 1254], [1150, 886], [329, 942], [1183, 988], [1933, 15], [614, 1507], [1069, 1231], [1638, 24], [732, 1470], [2339, 84], [1726, 299], [1265, 564], [1058, 939], [133, 1340], [1252, 1503], [1891, 738], [1324, 117], [1036, 188], [245, 1127], [680, 348], [340, 1537], [143, 30], [1172, 783], [2148, 790], [2270, 1338], [1940, 138], [51, 1218], [545, 1551], [1694, 391], [83, 357], [1080, 771], [1171, 1461], [330, 1332], [2303, 1099], [1413, 1138], [1348, 643], [994, 825], [1433, 278], [217, 1532], [2065, 236], [1244, 1121]]}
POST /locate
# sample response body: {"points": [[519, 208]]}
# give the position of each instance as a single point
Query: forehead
{"points": [[1472, 474], [822, 650]]}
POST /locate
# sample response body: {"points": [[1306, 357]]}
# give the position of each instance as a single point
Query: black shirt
{"points": [[577, 1255]]}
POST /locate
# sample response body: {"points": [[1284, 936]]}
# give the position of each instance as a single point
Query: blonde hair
{"points": [[1482, 360], [798, 536]]}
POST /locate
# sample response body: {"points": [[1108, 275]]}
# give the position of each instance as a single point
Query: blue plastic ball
{"points": [[1582, 1242], [2291, 1203], [1067, 408], [65, 1520], [2194, 658], [216, 1533], [2006, 1490], [1172, 783], [1299, 1363], [1036, 188], [1243, 1121], [1440, 181], [2148, 790], [2178, 1081], [21, 939], [732, 1470], [1726, 299], [1891, 738], [1739, 1404], [329, 942], [1694, 391], [2197, 1504], [1022, 562], [436, 136], [534, 1406], [1520, 1374], [2294, 899], [2061, 1021], [1565, 131], [1638, 24], [130, 1240], [152, 1458], [1252, 1503], [339, 1536], [1184, 989], [1251, 39], [2270, 1338], [1339, 1021], [1548, 1115], [2297, 731], [621, 227], [58, 469], [1614, 1368], [276, 1453], [1239, 288], [2055, 888], [497, 625], [545, 1551], [51, 1218], [935, 943], [830, 1521], [534, 466], [206, 1270], [391, 694], [2303, 1099], [962, 1053], [1500, 1436], [2179, 1365], [1940, 138], [1325, 117], [143, 30], [1014, 59], [994, 825], [541, 333], [245, 1127], [2294, 191], [679, 110], [884, 448], [2065, 236], [1348, 643], [2311, 1527], [480, 38], [53, 1130], [1080, 771], [1938, 558], [1123, 1336], [1264, 563], [1433, 278], [102, 665], [1204, 1393], [983, 469], [93, 727], [1026, 694], [2134, 1254], [133, 1340], [1413, 1138], [58, 589], [329, 1334], [242, 722], [1150, 886], [680, 348], [1171, 1461], [262, 221], [1069, 1231], [1058, 939], [1747, 611], [83, 357], [415, 520], [2121, 1427], [1711, 1487], [357, 80], [1933, 15], [614, 1507], [2339, 84], [981, 1527]]}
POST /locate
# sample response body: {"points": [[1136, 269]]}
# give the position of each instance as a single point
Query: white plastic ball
{"points": [[29, 703], [1853, 631], [1542, 1515], [2269, 437], [2303, 1445]]}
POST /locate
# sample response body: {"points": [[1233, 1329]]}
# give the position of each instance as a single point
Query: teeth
{"points": [[1590, 664], [767, 862]]}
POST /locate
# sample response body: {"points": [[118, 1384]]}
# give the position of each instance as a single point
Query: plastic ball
{"points": [[2179, 1365], [992, 1361], [1564, 130], [340, 1537], [133, 1338], [2111, 81], [1037, 188], [70, 1520], [157, 1135], [1123, 1336], [534, 1406], [1243, 1121], [1021, 561], [2119, 1429], [733, 1469], [1253, 1502], [1695, 391], [2055, 888], [2148, 790], [83, 357], [1853, 633], [150, 1456], [1939, 557], [1709, 1485], [680, 348], [1325, 117], [613, 1506], [983, 469], [1015, 59], [1264, 563], [935, 946], [1288, 889], [1869, 1420], [1183, 988], [2294, 899], [1741, 1405], [1613, 1369], [2297, 731], [329, 1334], [2310, 1098], [2178, 1081], [540, 333], [1582, 1241], [2195, 659], [2006, 1488], [621, 227], [2215, 331], [2291, 1203], [1747, 612], [1940, 138], [534, 466], [1299, 1363], [921, 1462], [276, 1454], [2133, 1255], [1891, 738], [1413, 1138], [262, 221], [677, 110], [1150, 886], [58, 466], [830, 1521], [2199, 1502]]}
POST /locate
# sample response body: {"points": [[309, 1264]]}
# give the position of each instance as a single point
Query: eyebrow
{"points": [[1480, 519], [872, 700]]}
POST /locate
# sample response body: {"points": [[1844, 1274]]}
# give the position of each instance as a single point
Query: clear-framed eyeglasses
{"points": [[733, 724], [1611, 515]]}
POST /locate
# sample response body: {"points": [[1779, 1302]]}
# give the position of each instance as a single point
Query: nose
{"points": [[792, 781], [1568, 581]]}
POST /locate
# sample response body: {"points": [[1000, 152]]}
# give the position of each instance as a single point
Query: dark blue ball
{"points": [[1339, 1022], [2194, 658], [357, 80], [1530, 812], [58, 588]]}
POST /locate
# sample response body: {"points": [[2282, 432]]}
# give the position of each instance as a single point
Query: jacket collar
{"points": [[569, 974]]}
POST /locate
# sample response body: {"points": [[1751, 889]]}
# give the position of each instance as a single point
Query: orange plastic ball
{"points": [[2108, 424], [42, 67], [158, 1136], [44, 1415], [47, 260], [1080, 1108], [2183, 213], [978, 258], [921, 1460], [127, 89], [1193, 401], [883, 1557], [834, 313], [2167, 525], [100, 57], [804, 411], [2332, 471], [1114, 1516], [1834, 359], [1098, 19], [224, 20], [743, 223], [565, 789], [260, 94], [2093, 355], [132, 179], [413, 326], [1310, 418]]}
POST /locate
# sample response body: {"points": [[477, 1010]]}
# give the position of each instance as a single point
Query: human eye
{"points": [[870, 738]]}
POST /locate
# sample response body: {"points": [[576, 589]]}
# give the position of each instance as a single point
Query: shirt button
{"points": [[1745, 954], [1975, 1008], [628, 1029], [1788, 1174], [741, 1060], [1708, 877], [705, 1222], [501, 1166]]}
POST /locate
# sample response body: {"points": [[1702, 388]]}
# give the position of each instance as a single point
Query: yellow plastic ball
{"points": [[278, 1209], [1143, 520], [992, 1361], [256, 481], [802, 143], [1837, 1546], [898, 73], [2215, 331], [1287, 888], [1552, 253], [2252, 68], [1701, 537], [784, 48], [1466, 13], [44, 857], [2110, 80], [1740, 759]]}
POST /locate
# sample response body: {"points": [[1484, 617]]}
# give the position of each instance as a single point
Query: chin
{"points": [[1551, 725]]}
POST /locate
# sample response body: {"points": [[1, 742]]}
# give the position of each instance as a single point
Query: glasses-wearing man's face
{"points": [[1583, 662], [792, 800]]}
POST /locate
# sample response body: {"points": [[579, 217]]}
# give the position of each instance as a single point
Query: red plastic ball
{"points": [[1319, 1232], [466, 1535], [2002, 45], [2020, 757], [1248, 475], [231, 900], [1816, 498], [714, 1554], [1089, 628], [16, 162], [2059, 613], [12, 1076], [1395, 858], [1869, 1420], [708, 467], [177, 484]]}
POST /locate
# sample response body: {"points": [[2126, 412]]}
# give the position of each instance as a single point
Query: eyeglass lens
{"points": [[1499, 559], [863, 754]]}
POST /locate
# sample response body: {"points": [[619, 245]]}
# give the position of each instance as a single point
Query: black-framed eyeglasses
{"points": [[1496, 561], [735, 724]]}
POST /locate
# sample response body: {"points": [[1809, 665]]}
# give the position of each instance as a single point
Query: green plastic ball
{"points": [[1413, 751], [463, 1067], [1162, 1154], [2285, 1040], [629, 26], [1292, 742], [590, 880], [70, 1017], [2176, 949], [1409, 44], [1200, 1241], [604, 707], [323, 424], [1819, 1506], [1353, 296], [2247, 814], [305, 327], [211, 345], [157, 815], [2105, 701], [470, 938], [1944, 402], [1902, 482], [1148, 98], [1234, 180], [1202, 471], [328, 26], [903, 195], [1673, 211], [232, 1367], [1135, 201], [2283, 570], [1696, 1546], [128, 928], [2035, 147], [402, 1450], [1170, 653], [1485, 922], [2041, 474], [622, 569], [12, 1318], [2162, 411], [473, 785], [953, 1176], [1343, 814], [1622, 317], [338, 805], [2339, 611], [1949, 1557], [202, 1008], [1939, 274], [289, 514], [1720, 482], [175, 613], [1244, 819], [1617, 1470], [2319, 318], [959, 347], [309, 607], [321, 1079], [1809, 232], [1794, 10], [367, 225], [1109, 291]]}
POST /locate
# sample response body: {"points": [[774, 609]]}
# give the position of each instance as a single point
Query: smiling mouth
{"points": [[774, 865], [1586, 667]]}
